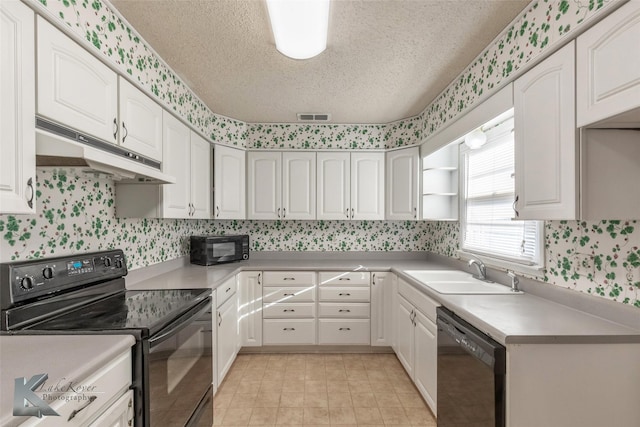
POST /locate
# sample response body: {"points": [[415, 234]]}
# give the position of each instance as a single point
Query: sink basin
{"points": [[457, 282]]}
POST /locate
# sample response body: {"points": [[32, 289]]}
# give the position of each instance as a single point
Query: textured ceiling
{"points": [[385, 59]]}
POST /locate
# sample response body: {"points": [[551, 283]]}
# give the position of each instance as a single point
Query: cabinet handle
{"points": [[228, 289], [415, 213], [77, 411], [344, 294], [288, 329], [344, 278], [351, 213], [344, 329], [219, 319], [347, 212], [288, 295], [126, 132], [514, 206], [289, 278], [217, 211], [344, 311], [373, 279], [289, 310], [115, 129], [33, 193], [284, 212], [259, 279], [278, 212]]}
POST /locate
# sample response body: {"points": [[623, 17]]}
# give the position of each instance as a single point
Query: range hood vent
{"points": [[314, 117], [57, 145]]}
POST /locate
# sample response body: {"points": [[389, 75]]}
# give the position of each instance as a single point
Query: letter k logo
{"points": [[24, 394]]}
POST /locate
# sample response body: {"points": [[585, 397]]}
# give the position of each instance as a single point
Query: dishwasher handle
{"points": [[471, 340]]}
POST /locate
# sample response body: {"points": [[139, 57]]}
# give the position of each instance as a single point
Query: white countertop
{"points": [[63, 358], [509, 319]]}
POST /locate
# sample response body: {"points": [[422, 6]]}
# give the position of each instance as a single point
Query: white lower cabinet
{"points": [[382, 291], [416, 339], [227, 328], [120, 414], [250, 308], [289, 331], [344, 331]]}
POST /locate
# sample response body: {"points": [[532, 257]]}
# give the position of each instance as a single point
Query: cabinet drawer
{"points": [[108, 383], [344, 294], [289, 278], [330, 309], [287, 311], [224, 291], [344, 331], [289, 294], [422, 302], [286, 331], [344, 278]]}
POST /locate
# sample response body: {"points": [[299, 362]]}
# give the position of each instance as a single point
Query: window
{"points": [[487, 195]]}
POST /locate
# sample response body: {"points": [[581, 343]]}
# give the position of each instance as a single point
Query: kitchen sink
{"points": [[457, 282]]}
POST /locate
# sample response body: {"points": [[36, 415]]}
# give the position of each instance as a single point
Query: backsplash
{"points": [[76, 213]]}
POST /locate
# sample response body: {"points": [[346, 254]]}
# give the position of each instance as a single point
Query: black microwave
{"points": [[210, 250]]}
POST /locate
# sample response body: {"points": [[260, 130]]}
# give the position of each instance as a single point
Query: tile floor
{"points": [[319, 389]]}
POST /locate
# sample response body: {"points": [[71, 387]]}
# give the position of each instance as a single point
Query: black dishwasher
{"points": [[471, 375]]}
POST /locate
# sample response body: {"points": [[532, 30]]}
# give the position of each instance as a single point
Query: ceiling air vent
{"points": [[314, 117]]}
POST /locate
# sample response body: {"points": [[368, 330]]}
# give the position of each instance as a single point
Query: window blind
{"points": [[488, 194]]}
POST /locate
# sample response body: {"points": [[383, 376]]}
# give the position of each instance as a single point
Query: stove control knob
{"points": [[47, 273], [107, 261], [27, 283], [118, 263]]}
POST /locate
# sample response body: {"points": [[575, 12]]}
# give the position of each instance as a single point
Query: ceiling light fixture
{"points": [[299, 26], [475, 139]]}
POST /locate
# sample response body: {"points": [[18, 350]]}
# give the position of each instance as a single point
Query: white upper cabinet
{"points": [[608, 70], [140, 122], [264, 187], [546, 139], [229, 183], [200, 177], [367, 185], [176, 197], [402, 184], [299, 185], [75, 88], [17, 104], [281, 185], [350, 186], [334, 175]]}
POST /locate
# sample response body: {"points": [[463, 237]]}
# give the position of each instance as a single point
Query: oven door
{"points": [[180, 371]]}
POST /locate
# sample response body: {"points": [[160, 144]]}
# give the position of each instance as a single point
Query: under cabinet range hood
{"points": [[57, 145]]}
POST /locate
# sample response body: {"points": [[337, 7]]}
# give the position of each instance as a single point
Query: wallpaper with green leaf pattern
{"points": [[76, 210]]}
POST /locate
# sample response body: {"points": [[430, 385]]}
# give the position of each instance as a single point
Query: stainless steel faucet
{"points": [[482, 269]]}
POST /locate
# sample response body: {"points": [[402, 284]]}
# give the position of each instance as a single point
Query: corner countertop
{"points": [[63, 358], [509, 319]]}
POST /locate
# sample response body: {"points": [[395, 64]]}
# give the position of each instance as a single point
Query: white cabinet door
{"points": [[402, 184], [75, 88], [250, 303], [200, 177], [425, 358], [140, 121], [608, 67], [546, 139], [264, 187], [229, 183], [119, 414], [17, 103], [227, 336], [176, 197], [404, 334], [334, 198], [367, 186], [298, 185], [382, 308]]}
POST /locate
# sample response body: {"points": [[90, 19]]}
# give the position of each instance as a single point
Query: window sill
{"points": [[534, 271]]}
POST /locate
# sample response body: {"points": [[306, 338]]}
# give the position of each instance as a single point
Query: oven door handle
{"points": [[181, 322]]}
